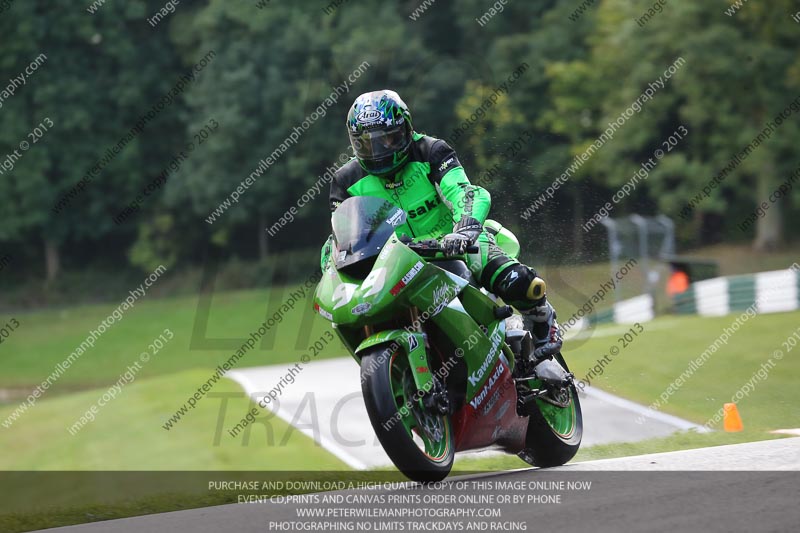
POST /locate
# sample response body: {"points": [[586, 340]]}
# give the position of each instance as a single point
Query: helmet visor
{"points": [[379, 144]]}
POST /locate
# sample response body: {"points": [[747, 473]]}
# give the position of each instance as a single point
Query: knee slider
{"points": [[519, 283], [537, 289]]}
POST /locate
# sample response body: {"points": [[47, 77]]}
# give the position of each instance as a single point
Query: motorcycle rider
{"points": [[423, 176]]}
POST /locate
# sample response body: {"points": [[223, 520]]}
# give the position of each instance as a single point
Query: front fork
{"points": [[431, 395], [413, 341], [435, 397]]}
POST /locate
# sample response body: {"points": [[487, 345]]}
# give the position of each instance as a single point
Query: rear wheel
{"points": [[419, 442], [554, 431]]}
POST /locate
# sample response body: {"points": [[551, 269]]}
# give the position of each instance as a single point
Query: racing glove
{"points": [[464, 235]]}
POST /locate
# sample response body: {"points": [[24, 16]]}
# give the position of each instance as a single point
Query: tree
{"points": [[735, 78], [86, 88]]}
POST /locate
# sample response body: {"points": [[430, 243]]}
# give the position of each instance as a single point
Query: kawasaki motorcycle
{"points": [[444, 367]]}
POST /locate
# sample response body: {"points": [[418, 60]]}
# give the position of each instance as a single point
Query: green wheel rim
{"points": [[562, 420], [436, 448]]}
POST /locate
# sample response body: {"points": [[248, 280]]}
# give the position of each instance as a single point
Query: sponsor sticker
{"points": [[368, 116], [477, 375], [361, 308], [407, 278], [395, 219], [413, 343], [323, 312], [484, 392]]}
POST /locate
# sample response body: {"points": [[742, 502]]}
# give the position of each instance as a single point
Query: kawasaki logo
{"points": [[477, 375], [476, 402], [395, 219]]}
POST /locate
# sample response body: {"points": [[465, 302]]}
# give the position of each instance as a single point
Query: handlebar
{"points": [[431, 247]]}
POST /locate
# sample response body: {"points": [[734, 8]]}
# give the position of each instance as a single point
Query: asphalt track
{"points": [[751, 487]]}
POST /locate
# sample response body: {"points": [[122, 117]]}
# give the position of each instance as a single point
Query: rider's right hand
{"points": [[455, 244]]}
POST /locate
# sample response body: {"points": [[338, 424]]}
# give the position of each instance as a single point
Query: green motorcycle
{"points": [[444, 368]]}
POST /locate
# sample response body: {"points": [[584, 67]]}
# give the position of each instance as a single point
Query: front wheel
{"points": [[554, 431], [419, 443]]}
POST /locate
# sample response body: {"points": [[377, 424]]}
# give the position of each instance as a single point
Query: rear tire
{"points": [[385, 387], [546, 445]]}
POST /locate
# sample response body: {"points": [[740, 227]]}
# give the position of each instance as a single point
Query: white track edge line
{"points": [[326, 443], [642, 410]]}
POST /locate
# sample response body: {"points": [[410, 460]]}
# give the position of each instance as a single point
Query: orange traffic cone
{"points": [[732, 421]]}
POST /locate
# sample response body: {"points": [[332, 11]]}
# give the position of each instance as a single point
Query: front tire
{"points": [[419, 443]]}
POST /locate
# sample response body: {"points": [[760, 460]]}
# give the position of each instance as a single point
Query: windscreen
{"points": [[361, 226]]}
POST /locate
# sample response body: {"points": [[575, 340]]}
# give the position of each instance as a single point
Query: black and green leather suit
{"points": [[433, 189]]}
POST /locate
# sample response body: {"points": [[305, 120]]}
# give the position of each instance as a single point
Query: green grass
{"points": [[127, 433], [655, 358], [46, 338]]}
